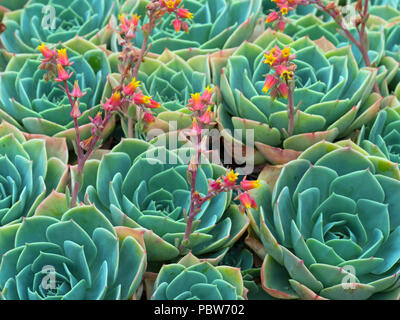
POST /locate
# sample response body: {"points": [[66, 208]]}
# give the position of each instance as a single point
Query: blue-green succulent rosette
{"points": [[69, 254], [381, 137], [42, 107], [330, 226], [191, 279], [30, 168], [332, 96], [138, 185], [216, 24], [54, 21]]}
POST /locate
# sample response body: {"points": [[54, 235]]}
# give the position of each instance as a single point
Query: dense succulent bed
{"points": [[108, 106]]}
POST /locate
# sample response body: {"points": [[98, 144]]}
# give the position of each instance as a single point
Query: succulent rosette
{"points": [[332, 96], [331, 226], [69, 254], [54, 21], [191, 279], [215, 25], [138, 185], [30, 168], [38, 106], [382, 136]]}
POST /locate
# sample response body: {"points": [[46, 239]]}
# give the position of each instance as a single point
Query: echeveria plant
{"points": [[76, 254], [38, 106], [54, 21], [140, 186], [331, 226], [30, 168], [216, 24], [191, 279], [331, 96]]}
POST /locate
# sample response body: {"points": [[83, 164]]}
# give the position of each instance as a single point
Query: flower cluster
{"points": [[121, 100], [200, 105], [284, 6], [282, 68], [229, 182], [180, 13], [55, 62]]}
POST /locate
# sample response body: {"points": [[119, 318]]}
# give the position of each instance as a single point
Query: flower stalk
{"points": [[331, 9], [131, 58], [200, 106], [55, 62]]}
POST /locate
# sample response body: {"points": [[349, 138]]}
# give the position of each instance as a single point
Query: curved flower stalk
{"points": [[383, 38], [71, 254], [54, 21], [38, 106], [215, 25], [331, 226], [31, 167], [140, 186], [191, 279], [332, 97]]}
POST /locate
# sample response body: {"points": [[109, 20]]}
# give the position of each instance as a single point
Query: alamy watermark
{"points": [[49, 17], [228, 147]]}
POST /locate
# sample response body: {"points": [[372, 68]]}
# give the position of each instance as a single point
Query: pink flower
{"points": [[46, 52], [184, 13], [75, 112], [140, 98], [269, 83], [283, 89], [207, 95], [206, 117], [281, 25], [177, 24], [148, 117], [114, 102], [76, 91], [195, 102], [247, 202], [153, 104], [62, 75], [63, 58], [249, 184], [272, 17], [131, 87]]}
